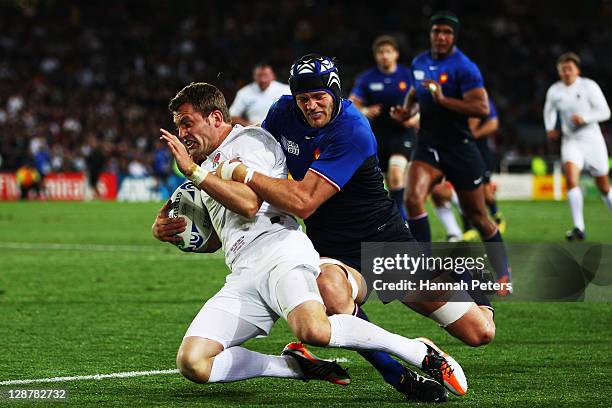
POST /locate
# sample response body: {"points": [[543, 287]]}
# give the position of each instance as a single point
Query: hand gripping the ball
{"points": [[166, 229]]}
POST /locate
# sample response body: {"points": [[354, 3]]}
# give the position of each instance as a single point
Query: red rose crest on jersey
{"points": [[443, 78], [216, 160], [317, 153], [403, 85]]}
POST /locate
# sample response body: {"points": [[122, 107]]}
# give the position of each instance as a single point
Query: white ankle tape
{"points": [[398, 161]]}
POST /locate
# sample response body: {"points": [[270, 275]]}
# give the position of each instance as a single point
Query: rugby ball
{"points": [[187, 203]]}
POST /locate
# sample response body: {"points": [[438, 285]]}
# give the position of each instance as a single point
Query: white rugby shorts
{"points": [[273, 275], [590, 154]]}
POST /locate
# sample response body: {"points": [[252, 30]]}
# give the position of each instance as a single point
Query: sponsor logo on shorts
{"points": [[237, 245]]}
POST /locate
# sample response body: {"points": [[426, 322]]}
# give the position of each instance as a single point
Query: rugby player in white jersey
{"points": [[252, 101], [272, 262], [581, 105]]}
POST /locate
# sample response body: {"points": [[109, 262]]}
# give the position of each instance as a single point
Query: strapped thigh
{"points": [[349, 276]]}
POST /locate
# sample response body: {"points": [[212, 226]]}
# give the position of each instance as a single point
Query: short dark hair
{"points": [[263, 64], [204, 97], [569, 57], [384, 40]]}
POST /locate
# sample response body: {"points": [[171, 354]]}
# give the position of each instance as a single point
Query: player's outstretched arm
{"points": [[300, 198], [237, 197]]}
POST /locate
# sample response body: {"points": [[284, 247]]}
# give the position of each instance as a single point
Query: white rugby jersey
{"points": [[252, 103], [585, 98], [257, 149]]}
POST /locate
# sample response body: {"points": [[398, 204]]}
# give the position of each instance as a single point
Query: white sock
{"points": [[574, 196], [447, 217], [238, 363], [353, 333], [608, 199]]}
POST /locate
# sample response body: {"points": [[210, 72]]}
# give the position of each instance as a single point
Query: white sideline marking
{"points": [[46, 246], [126, 374], [78, 247]]}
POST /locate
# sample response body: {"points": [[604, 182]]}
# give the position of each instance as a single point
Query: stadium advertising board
{"points": [[8, 187], [61, 187]]}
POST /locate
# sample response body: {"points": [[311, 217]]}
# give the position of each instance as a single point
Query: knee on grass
{"points": [[193, 369]]}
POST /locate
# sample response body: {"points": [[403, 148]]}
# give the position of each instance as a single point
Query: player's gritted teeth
{"points": [[315, 116], [190, 144]]}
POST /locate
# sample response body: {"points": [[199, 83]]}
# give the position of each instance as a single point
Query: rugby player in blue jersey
{"points": [[483, 130], [375, 92], [442, 195], [449, 89], [338, 190]]}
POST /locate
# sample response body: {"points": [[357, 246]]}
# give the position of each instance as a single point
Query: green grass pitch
{"points": [[85, 289]]}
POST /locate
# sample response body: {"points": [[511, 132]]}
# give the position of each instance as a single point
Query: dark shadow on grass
{"points": [[250, 394]]}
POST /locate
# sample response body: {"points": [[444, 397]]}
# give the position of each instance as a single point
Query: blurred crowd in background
{"points": [[84, 86]]}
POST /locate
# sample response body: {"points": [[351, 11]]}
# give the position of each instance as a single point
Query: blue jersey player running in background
{"points": [[483, 130], [443, 194], [449, 89], [338, 190], [375, 92]]}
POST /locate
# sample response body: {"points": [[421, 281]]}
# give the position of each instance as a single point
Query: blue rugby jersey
{"points": [[492, 111], [344, 154], [457, 74], [375, 87], [483, 142]]}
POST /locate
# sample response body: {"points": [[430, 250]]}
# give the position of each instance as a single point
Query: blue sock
{"points": [[420, 228], [497, 255], [492, 208], [398, 197], [390, 369]]}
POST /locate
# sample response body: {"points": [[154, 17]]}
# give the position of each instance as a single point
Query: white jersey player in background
{"points": [[272, 262], [581, 105], [252, 101]]}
